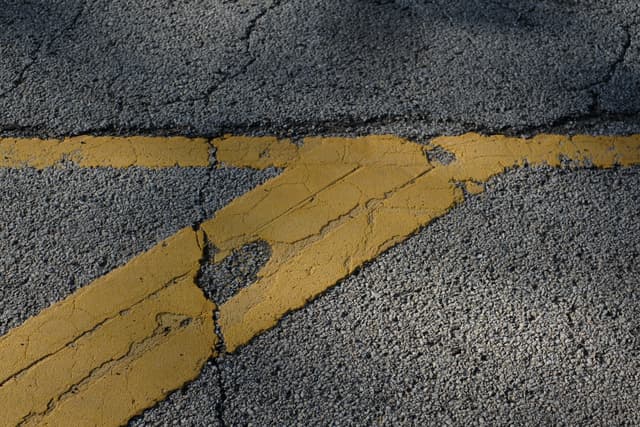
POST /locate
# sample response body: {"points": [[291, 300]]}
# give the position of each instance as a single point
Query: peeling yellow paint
{"points": [[480, 157], [107, 151], [123, 342], [474, 187], [114, 347]]}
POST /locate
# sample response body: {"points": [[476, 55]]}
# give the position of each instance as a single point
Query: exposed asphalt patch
{"points": [[221, 281], [440, 155]]}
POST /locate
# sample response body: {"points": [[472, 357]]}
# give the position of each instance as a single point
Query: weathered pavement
{"points": [[519, 306], [202, 67]]}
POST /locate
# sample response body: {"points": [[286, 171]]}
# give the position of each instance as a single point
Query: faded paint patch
{"points": [[105, 151], [112, 348]]}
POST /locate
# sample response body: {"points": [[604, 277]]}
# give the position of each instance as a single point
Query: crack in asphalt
{"points": [[248, 44], [590, 113], [207, 254], [595, 108], [621, 56], [219, 407], [346, 125], [43, 48], [225, 75], [596, 85], [220, 348], [248, 33]]}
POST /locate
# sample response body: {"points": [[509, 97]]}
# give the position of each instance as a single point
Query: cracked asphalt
{"points": [[518, 307], [203, 67]]}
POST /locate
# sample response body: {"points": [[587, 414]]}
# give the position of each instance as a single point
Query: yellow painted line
{"points": [[343, 201], [105, 151], [255, 152], [123, 342], [114, 347]]}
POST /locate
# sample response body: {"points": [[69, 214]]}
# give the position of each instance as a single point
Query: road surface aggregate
{"points": [[518, 307]]}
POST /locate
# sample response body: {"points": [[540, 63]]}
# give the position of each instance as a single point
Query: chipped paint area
{"points": [[113, 348], [323, 217], [480, 157], [105, 151], [125, 341]]}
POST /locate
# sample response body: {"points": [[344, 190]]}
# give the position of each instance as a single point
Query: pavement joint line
{"points": [[146, 328]]}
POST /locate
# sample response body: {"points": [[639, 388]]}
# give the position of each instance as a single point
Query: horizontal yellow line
{"points": [[105, 151]]}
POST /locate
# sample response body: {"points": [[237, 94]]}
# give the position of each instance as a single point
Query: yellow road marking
{"points": [[104, 151], [123, 342], [345, 200], [115, 346]]}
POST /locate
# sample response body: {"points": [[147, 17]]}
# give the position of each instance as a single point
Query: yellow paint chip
{"points": [[474, 187], [105, 151]]}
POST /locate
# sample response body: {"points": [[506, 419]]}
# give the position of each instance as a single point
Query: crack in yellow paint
{"points": [[123, 342], [105, 151]]}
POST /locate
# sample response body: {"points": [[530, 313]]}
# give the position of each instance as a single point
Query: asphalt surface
{"points": [[518, 307], [205, 67]]}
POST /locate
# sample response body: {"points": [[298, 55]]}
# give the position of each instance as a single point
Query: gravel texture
{"points": [[518, 307], [222, 281]]}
